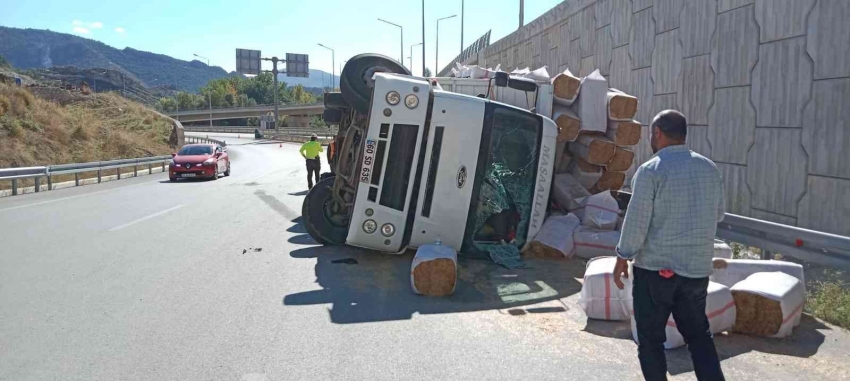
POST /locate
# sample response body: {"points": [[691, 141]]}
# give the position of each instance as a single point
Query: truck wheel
{"points": [[335, 100], [356, 80], [325, 226]]}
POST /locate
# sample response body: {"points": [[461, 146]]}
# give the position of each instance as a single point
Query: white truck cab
{"points": [[434, 164]]}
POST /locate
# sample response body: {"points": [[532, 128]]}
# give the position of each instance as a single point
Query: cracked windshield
{"points": [[265, 190]]}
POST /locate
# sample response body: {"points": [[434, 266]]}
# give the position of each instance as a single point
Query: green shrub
{"points": [[830, 301]]}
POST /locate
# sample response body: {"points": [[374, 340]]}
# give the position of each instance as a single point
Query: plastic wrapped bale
{"points": [[587, 174], [595, 149], [621, 106], [568, 123], [565, 87], [593, 243], [610, 180], [434, 270], [719, 309], [600, 211], [623, 133], [567, 191], [722, 250], [555, 238], [769, 304], [739, 269], [591, 105], [600, 298], [622, 160]]}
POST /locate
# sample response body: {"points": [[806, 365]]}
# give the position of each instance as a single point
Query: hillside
{"points": [[33, 48], [34, 131]]}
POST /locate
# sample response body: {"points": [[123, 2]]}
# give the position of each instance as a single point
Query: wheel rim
{"points": [[335, 219]]}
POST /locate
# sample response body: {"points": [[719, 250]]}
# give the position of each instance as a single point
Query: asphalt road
{"points": [[144, 279]]}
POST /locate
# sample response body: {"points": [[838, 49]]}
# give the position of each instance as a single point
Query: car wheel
{"points": [[172, 179], [227, 172], [356, 80], [215, 175], [325, 225]]}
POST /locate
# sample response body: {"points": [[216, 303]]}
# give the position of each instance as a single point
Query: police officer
{"points": [[310, 151]]}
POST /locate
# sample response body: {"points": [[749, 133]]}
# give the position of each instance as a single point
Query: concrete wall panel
{"points": [[667, 63], [602, 12], [604, 46], [621, 22], [735, 48], [698, 19], [773, 217], [828, 34], [661, 103], [826, 130], [621, 72], [727, 5], [780, 19], [776, 170], [643, 89], [782, 82], [697, 89], [735, 186], [588, 65], [826, 205], [642, 39], [639, 5], [732, 124], [666, 14], [698, 140], [643, 152], [573, 56]]}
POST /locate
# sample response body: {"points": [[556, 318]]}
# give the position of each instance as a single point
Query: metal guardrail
{"points": [[246, 108], [203, 140], [807, 245]]}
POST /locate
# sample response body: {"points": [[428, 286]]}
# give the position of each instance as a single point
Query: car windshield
{"points": [[195, 150]]}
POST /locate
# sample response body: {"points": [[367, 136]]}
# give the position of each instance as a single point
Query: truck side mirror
{"points": [[501, 79], [522, 84]]}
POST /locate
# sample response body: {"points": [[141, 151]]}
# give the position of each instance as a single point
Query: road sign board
{"points": [[248, 61], [297, 65]]}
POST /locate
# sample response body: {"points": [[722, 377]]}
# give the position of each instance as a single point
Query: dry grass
{"points": [[38, 132]]}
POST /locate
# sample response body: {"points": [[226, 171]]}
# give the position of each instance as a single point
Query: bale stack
{"points": [[596, 129]]}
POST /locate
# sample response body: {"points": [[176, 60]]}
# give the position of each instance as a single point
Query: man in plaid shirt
{"points": [[677, 201]]}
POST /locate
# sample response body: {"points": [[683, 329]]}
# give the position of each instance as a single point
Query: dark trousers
{"points": [[314, 166], [655, 298]]}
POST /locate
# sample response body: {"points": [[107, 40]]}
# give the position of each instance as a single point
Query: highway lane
{"points": [[145, 279]]}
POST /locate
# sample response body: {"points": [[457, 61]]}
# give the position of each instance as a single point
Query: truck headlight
{"points": [[388, 230], [370, 226], [393, 98], [411, 101]]}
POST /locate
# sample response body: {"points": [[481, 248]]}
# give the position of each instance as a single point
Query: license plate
{"points": [[188, 175], [368, 161]]}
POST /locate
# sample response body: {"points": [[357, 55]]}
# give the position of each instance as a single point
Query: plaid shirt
{"points": [[677, 201]]}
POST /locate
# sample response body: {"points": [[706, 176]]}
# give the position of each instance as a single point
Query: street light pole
{"points": [[411, 59], [208, 64], [461, 27], [423, 38], [401, 44], [437, 50], [333, 66]]}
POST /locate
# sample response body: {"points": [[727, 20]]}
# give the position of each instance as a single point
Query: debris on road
{"points": [[253, 249], [769, 304], [506, 255], [600, 298], [555, 239], [434, 270]]}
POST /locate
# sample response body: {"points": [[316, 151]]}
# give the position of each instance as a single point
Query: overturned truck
{"points": [[413, 164]]}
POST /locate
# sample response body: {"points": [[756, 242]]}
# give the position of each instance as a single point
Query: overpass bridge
{"points": [[301, 110]]}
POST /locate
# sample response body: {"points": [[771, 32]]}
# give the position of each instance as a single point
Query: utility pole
{"points": [[521, 12], [401, 45], [423, 38], [461, 28], [210, 94], [333, 66], [437, 51]]}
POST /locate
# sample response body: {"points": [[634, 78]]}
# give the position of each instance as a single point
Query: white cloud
{"points": [[119, 30], [77, 23], [96, 25], [81, 30]]}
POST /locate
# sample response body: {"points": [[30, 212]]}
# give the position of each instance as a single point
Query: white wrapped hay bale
{"points": [[621, 161], [722, 250], [593, 243], [568, 192], [600, 211], [623, 133], [434, 270], [555, 238], [591, 105], [565, 88], [568, 123], [587, 174], [739, 269], [595, 149], [600, 298], [610, 180], [768, 304], [621, 106], [719, 309]]}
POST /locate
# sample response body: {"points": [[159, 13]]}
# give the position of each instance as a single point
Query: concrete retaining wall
{"points": [[765, 85]]}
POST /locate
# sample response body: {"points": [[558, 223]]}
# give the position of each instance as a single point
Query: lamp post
{"points": [[461, 27], [423, 38], [333, 68], [437, 51], [401, 44], [208, 64], [411, 59]]}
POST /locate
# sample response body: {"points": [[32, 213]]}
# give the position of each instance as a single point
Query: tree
{"points": [[300, 96], [427, 72], [166, 104]]}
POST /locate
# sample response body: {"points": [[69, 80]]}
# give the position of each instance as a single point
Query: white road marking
{"points": [[70, 197], [145, 218]]}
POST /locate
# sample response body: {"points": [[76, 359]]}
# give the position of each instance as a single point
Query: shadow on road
{"points": [[377, 288], [301, 193]]}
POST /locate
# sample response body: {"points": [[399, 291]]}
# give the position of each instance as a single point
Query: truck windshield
{"points": [[500, 209]]}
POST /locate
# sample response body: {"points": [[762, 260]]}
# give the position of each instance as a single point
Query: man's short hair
{"points": [[672, 124]]}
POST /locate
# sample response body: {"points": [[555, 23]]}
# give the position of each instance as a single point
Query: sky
{"points": [[215, 29]]}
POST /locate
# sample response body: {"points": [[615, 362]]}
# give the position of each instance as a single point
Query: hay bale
{"points": [[594, 149], [563, 158], [600, 298], [565, 87], [768, 304], [610, 180], [621, 106], [568, 123], [555, 238], [621, 161], [567, 191], [587, 174], [591, 105], [434, 270], [623, 133]]}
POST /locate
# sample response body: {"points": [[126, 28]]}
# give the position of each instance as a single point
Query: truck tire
{"points": [[318, 221], [356, 80], [335, 100]]}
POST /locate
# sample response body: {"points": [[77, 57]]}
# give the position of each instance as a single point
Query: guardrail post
{"points": [[136, 170], [163, 166], [38, 184], [118, 171], [766, 254], [99, 174], [76, 179], [150, 168], [14, 187], [49, 182]]}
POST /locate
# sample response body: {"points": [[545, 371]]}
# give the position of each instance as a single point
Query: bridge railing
{"points": [[241, 108]]}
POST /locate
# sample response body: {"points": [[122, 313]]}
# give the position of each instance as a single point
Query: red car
{"points": [[199, 160]]}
